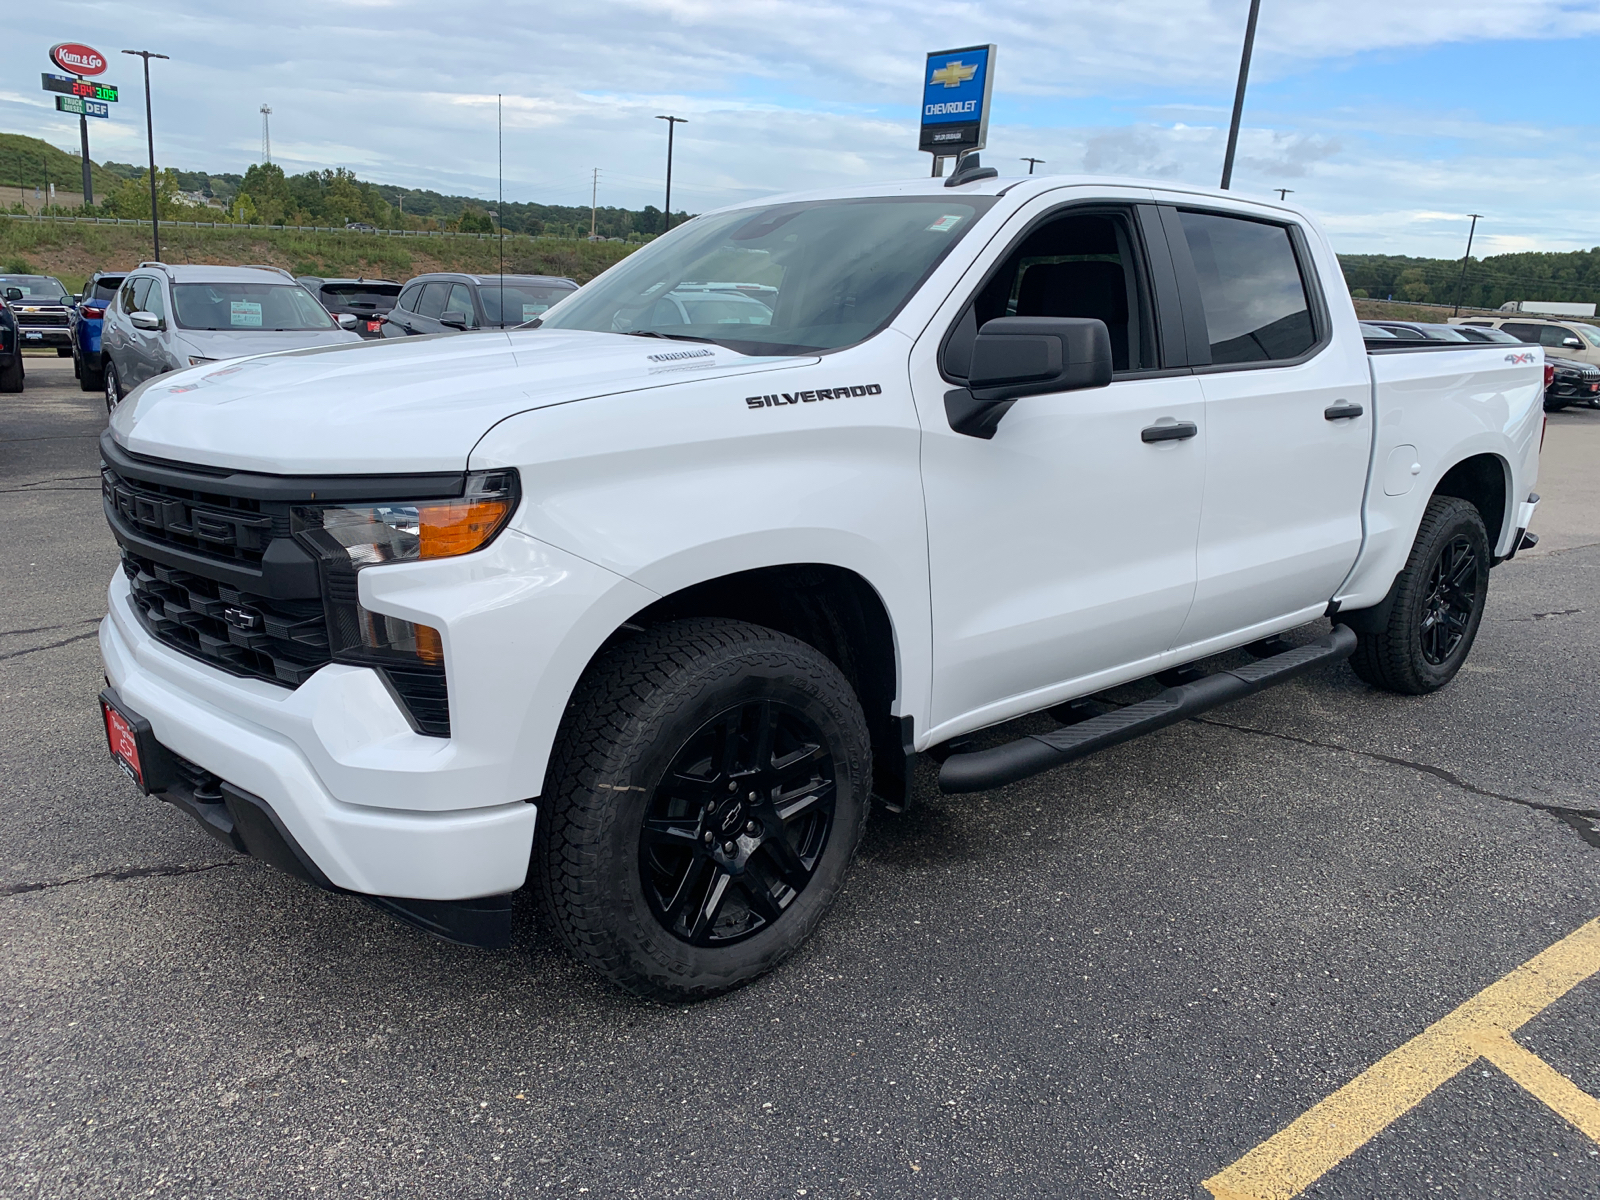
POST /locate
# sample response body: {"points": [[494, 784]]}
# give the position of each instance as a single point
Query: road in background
{"points": [[1111, 980]]}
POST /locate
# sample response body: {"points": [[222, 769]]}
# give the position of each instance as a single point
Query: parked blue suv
{"points": [[87, 318]]}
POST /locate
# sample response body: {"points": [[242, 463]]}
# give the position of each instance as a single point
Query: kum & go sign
{"points": [[77, 59]]}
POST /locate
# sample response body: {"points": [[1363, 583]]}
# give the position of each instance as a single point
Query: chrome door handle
{"points": [[1342, 411], [1179, 432]]}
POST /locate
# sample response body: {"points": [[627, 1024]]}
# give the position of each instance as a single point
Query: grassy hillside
{"points": [[26, 162], [71, 251]]}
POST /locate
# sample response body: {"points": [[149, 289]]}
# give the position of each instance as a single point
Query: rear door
{"points": [[1288, 423]]}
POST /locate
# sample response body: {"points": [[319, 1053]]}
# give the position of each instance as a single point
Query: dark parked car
{"points": [[11, 372], [367, 300], [88, 318], [43, 307], [447, 301]]}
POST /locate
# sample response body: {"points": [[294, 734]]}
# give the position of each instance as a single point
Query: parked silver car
{"points": [[165, 318]]}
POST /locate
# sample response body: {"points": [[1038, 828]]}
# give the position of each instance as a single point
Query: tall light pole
{"points": [[1283, 193], [1462, 282], [666, 220], [150, 137], [1238, 95], [1031, 162]]}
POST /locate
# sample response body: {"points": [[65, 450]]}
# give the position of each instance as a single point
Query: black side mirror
{"points": [[1014, 357], [13, 293]]}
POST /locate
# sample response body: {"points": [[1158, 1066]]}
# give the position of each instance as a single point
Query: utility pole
{"points": [[150, 137], [1030, 162], [666, 217], [594, 190], [500, 221], [1238, 95], [266, 135], [1462, 283], [1283, 193]]}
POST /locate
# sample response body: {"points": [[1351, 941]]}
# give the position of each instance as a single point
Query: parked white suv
{"points": [[1561, 339], [654, 607], [167, 318]]}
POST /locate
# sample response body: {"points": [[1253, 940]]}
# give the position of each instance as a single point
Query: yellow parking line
{"points": [[1302, 1152]]}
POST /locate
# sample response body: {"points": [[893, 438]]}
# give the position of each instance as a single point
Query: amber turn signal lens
{"points": [[460, 526], [429, 647]]}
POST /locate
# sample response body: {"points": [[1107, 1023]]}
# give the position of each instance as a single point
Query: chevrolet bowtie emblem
{"points": [[953, 74]]}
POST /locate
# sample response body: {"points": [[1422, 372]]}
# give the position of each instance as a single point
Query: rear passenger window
{"points": [[1522, 331], [408, 298], [433, 297], [1250, 285]]}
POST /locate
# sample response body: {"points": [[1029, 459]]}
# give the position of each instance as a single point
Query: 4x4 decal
{"points": [[838, 393]]}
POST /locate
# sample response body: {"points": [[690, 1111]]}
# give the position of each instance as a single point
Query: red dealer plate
{"points": [[124, 745], [374, 326]]}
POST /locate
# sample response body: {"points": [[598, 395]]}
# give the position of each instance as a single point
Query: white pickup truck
{"points": [[650, 609]]}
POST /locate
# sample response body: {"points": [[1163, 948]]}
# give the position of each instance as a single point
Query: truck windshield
{"points": [[279, 307], [818, 275]]}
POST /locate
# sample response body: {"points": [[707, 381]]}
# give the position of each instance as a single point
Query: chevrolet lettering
{"points": [[432, 620]]}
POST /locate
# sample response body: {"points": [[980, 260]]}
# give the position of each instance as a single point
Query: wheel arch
{"points": [[1484, 481], [829, 607]]}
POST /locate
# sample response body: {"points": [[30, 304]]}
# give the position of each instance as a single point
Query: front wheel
{"points": [[1436, 604], [12, 378], [706, 794]]}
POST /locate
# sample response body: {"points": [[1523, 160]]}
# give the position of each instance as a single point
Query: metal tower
{"points": [[266, 134]]}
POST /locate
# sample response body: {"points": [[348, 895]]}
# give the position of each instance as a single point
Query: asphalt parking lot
{"points": [[1118, 979]]}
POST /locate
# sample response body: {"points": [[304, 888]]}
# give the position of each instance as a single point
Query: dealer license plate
{"points": [[124, 743]]}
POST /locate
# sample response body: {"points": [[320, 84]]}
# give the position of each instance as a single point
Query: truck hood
{"points": [[396, 406], [235, 343]]}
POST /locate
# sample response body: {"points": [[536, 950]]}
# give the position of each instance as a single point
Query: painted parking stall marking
{"points": [[1301, 1153]]}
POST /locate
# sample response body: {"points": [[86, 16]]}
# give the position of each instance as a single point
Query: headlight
{"points": [[350, 537], [195, 360]]}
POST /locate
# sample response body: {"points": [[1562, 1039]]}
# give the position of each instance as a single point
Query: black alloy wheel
{"points": [[705, 795], [1416, 640], [738, 824], [1451, 601]]}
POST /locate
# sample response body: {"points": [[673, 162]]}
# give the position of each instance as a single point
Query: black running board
{"points": [[1027, 756]]}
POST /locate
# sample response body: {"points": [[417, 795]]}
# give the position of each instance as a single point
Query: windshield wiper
{"points": [[676, 337]]}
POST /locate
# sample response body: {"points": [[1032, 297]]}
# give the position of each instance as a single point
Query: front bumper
{"points": [[254, 736], [48, 335]]}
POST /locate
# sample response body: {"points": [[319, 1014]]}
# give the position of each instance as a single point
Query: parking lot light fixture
{"points": [[666, 220], [150, 137]]}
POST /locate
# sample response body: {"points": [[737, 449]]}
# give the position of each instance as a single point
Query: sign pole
{"points": [[88, 180]]}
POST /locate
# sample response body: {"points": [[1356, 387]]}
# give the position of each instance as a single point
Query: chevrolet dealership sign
{"points": [[956, 85]]}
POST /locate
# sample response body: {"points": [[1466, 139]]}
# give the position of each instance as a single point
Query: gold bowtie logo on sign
{"points": [[953, 74]]}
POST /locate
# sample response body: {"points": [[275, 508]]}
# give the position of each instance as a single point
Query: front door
{"points": [[1061, 550], [1288, 424]]}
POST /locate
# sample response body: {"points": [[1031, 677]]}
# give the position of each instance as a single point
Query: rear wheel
{"points": [[12, 377], [707, 792], [90, 379], [1437, 604], [113, 386]]}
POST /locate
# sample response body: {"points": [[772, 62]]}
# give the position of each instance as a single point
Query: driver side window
{"points": [[1078, 265]]}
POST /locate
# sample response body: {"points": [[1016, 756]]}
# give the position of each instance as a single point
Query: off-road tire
{"points": [[12, 378], [641, 702], [1392, 657]]}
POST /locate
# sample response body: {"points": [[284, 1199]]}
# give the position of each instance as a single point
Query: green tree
{"points": [[269, 192], [1413, 285]]}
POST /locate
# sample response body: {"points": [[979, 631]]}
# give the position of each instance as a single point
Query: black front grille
{"points": [[232, 528], [426, 696], [35, 320], [283, 641]]}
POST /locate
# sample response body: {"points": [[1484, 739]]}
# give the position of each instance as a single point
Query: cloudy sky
{"points": [[1389, 119]]}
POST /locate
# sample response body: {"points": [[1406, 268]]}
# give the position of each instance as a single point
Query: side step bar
{"points": [[1016, 760]]}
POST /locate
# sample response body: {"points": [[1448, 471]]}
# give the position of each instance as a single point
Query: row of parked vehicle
{"points": [[1572, 350], [128, 326]]}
